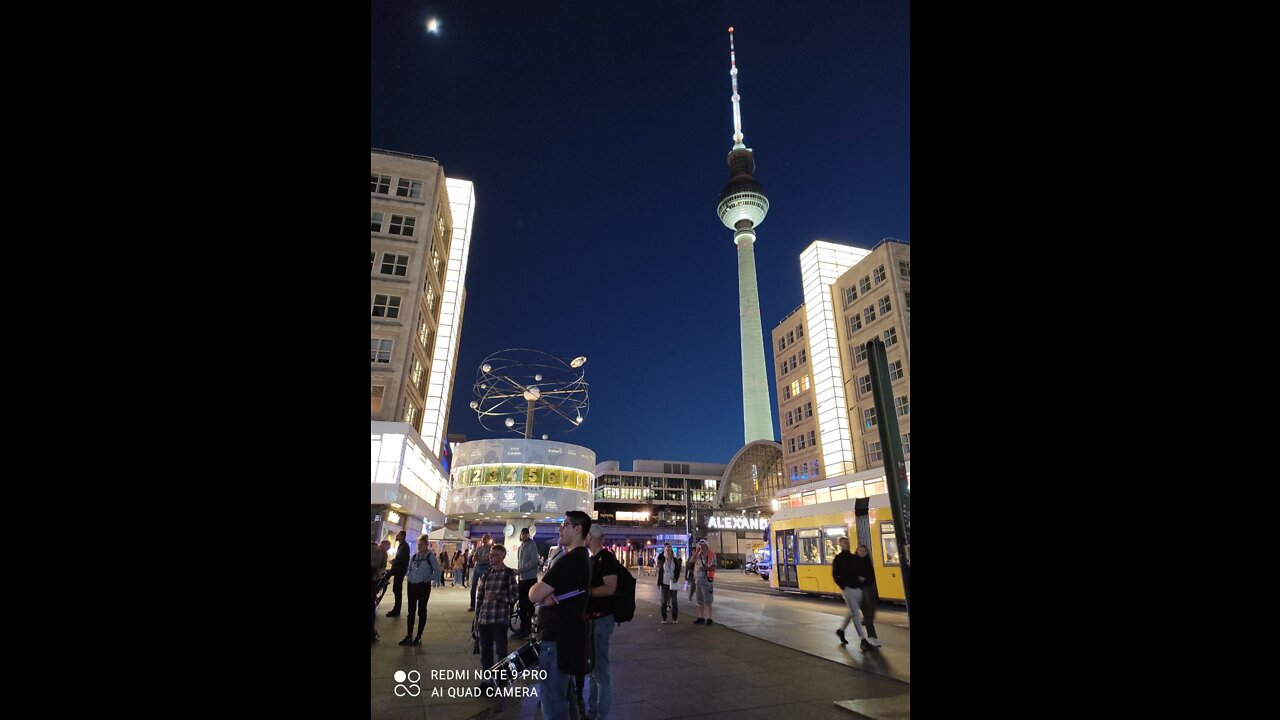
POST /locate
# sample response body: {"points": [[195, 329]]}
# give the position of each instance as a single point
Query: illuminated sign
{"points": [[393, 518], [738, 522]]}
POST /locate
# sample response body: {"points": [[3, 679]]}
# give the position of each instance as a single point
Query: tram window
{"points": [[810, 551], [875, 488], [838, 493], [890, 545]]}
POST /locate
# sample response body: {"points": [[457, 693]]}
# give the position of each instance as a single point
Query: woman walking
{"points": [[668, 574]]}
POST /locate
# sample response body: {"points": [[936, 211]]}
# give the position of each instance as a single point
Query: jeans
{"points": [[481, 570], [493, 636], [419, 593], [600, 700], [853, 598], [554, 692], [669, 596]]}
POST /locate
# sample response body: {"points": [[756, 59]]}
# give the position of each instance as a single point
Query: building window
{"points": [[868, 418], [375, 398], [387, 306], [850, 294], [395, 264], [859, 353], [885, 305], [865, 284], [786, 392], [372, 255], [793, 362], [380, 350], [904, 268], [792, 444], [782, 344], [873, 452], [435, 259], [415, 375], [380, 184], [409, 188], [410, 413], [799, 332], [795, 473], [869, 313], [908, 302], [791, 337], [808, 409], [879, 273], [804, 382], [813, 469], [424, 333], [431, 300], [895, 370], [784, 367], [401, 225], [890, 337], [789, 423], [812, 441], [801, 439], [855, 323], [864, 385], [375, 221], [904, 407], [906, 443], [801, 356], [795, 388]]}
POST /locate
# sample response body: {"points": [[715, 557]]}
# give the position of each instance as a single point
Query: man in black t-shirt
{"points": [[604, 585], [562, 624]]}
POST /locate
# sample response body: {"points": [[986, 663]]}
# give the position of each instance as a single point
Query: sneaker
{"points": [[875, 642], [699, 621], [866, 645], [664, 622], [840, 634], [675, 622], [710, 621], [407, 640], [471, 609], [393, 613], [417, 640]]}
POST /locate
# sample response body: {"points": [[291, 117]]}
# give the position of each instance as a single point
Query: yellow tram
{"points": [[804, 543]]}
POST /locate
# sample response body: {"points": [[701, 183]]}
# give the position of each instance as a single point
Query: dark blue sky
{"points": [[596, 135]]}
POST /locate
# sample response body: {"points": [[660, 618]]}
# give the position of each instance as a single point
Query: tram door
{"points": [[785, 564]]}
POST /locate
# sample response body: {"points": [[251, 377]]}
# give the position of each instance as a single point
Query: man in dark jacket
{"points": [[399, 567], [561, 598], [852, 573]]}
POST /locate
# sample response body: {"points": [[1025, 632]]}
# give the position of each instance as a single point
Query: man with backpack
{"points": [[605, 575]]}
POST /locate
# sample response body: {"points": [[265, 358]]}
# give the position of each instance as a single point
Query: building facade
{"points": [[419, 237], [825, 408]]}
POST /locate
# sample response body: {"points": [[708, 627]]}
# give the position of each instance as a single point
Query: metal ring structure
{"points": [[509, 381]]}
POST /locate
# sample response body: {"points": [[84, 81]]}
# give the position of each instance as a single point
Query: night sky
{"points": [[596, 135]]}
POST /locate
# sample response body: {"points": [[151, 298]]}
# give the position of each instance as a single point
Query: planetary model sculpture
{"points": [[514, 386]]}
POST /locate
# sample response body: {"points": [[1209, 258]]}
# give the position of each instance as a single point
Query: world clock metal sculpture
{"points": [[516, 386]]}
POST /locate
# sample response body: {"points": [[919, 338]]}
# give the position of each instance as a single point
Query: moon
{"points": [[433, 26]]}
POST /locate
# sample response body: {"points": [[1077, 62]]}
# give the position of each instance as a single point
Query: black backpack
{"points": [[624, 599]]}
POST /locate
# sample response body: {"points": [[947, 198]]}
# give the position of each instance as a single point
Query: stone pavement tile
{"points": [[889, 708], [638, 711], [807, 711], [405, 713], [391, 705], [762, 679], [736, 699]]}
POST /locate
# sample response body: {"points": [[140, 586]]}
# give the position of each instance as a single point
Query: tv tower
{"points": [[742, 208]]}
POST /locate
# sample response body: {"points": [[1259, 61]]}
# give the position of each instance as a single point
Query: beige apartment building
{"points": [[419, 240], [415, 294], [875, 301], [825, 407]]}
